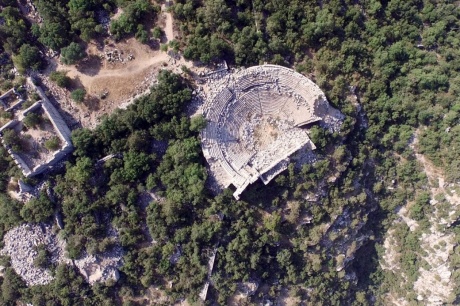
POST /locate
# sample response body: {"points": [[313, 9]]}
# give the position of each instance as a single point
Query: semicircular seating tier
{"points": [[255, 123]]}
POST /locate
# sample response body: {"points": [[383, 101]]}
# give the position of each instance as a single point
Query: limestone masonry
{"points": [[255, 118], [35, 163]]}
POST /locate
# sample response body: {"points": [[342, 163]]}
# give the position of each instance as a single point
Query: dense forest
{"points": [[392, 67]]}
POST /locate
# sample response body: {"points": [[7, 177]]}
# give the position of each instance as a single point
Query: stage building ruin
{"points": [[256, 121]]}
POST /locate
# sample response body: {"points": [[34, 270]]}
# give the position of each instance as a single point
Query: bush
{"points": [[42, 259], [32, 119], [164, 48], [12, 139], [35, 97], [174, 44], [130, 20], [75, 246], [142, 35], [53, 144], [157, 32], [60, 78], [198, 123], [6, 115], [78, 95], [420, 209]]}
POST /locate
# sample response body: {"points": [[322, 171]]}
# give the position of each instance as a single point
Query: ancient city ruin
{"points": [[32, 154], [256, 119]]}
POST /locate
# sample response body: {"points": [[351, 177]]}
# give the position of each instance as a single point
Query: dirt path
{"points": [[131, 70], [120, 79], [115, 83], [169, 32]]}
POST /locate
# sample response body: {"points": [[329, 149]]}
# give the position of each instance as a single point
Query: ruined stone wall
{"points": [[16, 158], [7, 94], [9, 125], [57, 156], [32, 108], [56, 119], [58, 123], [20, 162]]}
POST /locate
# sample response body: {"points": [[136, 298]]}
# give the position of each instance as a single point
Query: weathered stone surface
{"points": [[254, 125], [20, 243]]}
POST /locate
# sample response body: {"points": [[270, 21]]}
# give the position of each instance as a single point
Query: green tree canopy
{"points": [[78, 95], [72, 53], [53, 35], [38, 209], [28, 57]]}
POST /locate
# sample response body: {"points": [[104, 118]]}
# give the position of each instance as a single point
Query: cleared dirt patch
{"points": [[114, 74]]}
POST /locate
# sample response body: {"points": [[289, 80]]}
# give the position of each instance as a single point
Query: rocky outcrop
{"points": [[102, 267], [21, 243]]}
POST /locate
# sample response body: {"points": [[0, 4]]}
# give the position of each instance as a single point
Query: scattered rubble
{"points": [[102, 267], [247, 289], [20, 245]]}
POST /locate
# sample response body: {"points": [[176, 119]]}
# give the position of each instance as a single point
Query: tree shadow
{"points": [[92, 103], [99, 42], [90, 66], [154, 44], [75, 84], [163, 39]]}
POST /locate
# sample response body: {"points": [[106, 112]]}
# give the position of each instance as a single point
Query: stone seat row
{"points": [[237, 155]]}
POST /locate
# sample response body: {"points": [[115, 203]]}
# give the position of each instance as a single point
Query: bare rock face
{"points": [[248, 288], [101, 267], [96, 270], [20, 245]]}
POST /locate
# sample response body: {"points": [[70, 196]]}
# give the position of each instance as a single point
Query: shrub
{"points": [[12, 139], [75, 246], [142, 35], [131, 18], [421, 207], [174, 44], [28, 103], [35, 97], [32, 119], [6, 115], [60, 78], [53, 143], [198, 123], [78, 95], [39, 209], [157, 32], [164, 48], [42, 259], [28, 58]]}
